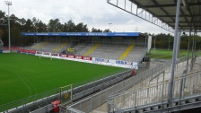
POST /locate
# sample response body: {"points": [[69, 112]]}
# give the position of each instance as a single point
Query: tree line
{"points": [[18, 25], [165, 41]]}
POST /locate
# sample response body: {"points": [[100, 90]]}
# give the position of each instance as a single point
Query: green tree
{"points": [[70, 26], [54, 25], [80, 27], [96, 30]]}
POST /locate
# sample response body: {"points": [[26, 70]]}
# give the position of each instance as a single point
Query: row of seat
{"points": [[49, 46], [130, 52]]}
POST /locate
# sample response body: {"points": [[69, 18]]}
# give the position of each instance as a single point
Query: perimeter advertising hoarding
{"points": [[27, 51], [118, 63], [95, 60]]}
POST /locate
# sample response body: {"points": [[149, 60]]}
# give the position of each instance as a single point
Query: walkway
{"points": [[144, 97], [156, 90]]}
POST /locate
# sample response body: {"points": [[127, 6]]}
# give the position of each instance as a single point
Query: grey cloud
{"points": [[94, 13]]}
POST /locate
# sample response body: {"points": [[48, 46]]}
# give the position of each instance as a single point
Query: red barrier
{"points": [[78, 57], [63, 55], [56, 105], [54, 54], [133, 72], [86, 58], [39, 52], [74, 56], [27, 51], [71, 56]]}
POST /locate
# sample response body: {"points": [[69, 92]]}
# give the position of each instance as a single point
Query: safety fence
{"points": [[146, 77], [30, 103], [94, 101], [184, 86], [97, 100]]}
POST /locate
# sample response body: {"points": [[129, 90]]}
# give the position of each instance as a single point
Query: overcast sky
{"points": [[94, 13]]}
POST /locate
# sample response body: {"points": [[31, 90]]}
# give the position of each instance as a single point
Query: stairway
{"points": [[92, 49], [59, 47], [126, 52]]}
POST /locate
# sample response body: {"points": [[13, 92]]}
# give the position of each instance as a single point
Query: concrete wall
{"points": [[45, 109]]}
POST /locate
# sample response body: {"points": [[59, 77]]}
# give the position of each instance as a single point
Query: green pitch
{"points": [[167, 54], [26, 75]]}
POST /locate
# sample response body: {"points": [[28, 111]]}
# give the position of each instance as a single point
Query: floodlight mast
{"points": [[9, 3]]}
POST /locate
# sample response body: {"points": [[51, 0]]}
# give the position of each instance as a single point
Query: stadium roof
{"points": [[165, 11], [165, 14], [84, 34]]}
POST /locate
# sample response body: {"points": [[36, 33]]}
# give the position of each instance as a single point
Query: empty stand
{"points": [[92, 49], [112, 51], [49, 46], [60, 47], [117, 48], [83, 48], [136, 54], [40, 45], [126, 52]]}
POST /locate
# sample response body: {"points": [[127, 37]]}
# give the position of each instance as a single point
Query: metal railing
{"points": [[96, 100], [30, 103], [184, 86]]}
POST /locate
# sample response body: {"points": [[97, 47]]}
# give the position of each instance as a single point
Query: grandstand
{"points": [[114, 51], [47, 46], [128, 46]]}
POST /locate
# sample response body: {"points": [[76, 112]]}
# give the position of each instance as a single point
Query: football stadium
{"points": [[105, 71], [62, 59], [27, 74]]}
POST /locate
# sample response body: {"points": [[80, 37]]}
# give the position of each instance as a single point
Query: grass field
{"points": [[25, 75], [167, 54]]}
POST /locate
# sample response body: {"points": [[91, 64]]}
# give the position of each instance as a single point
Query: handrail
{"points": [[153, 91], [153, 85], [117, 88]]}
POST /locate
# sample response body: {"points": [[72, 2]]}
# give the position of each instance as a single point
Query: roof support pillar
{"points": [[178, 44], [188, 49], [171, 89], [193, 51]]}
